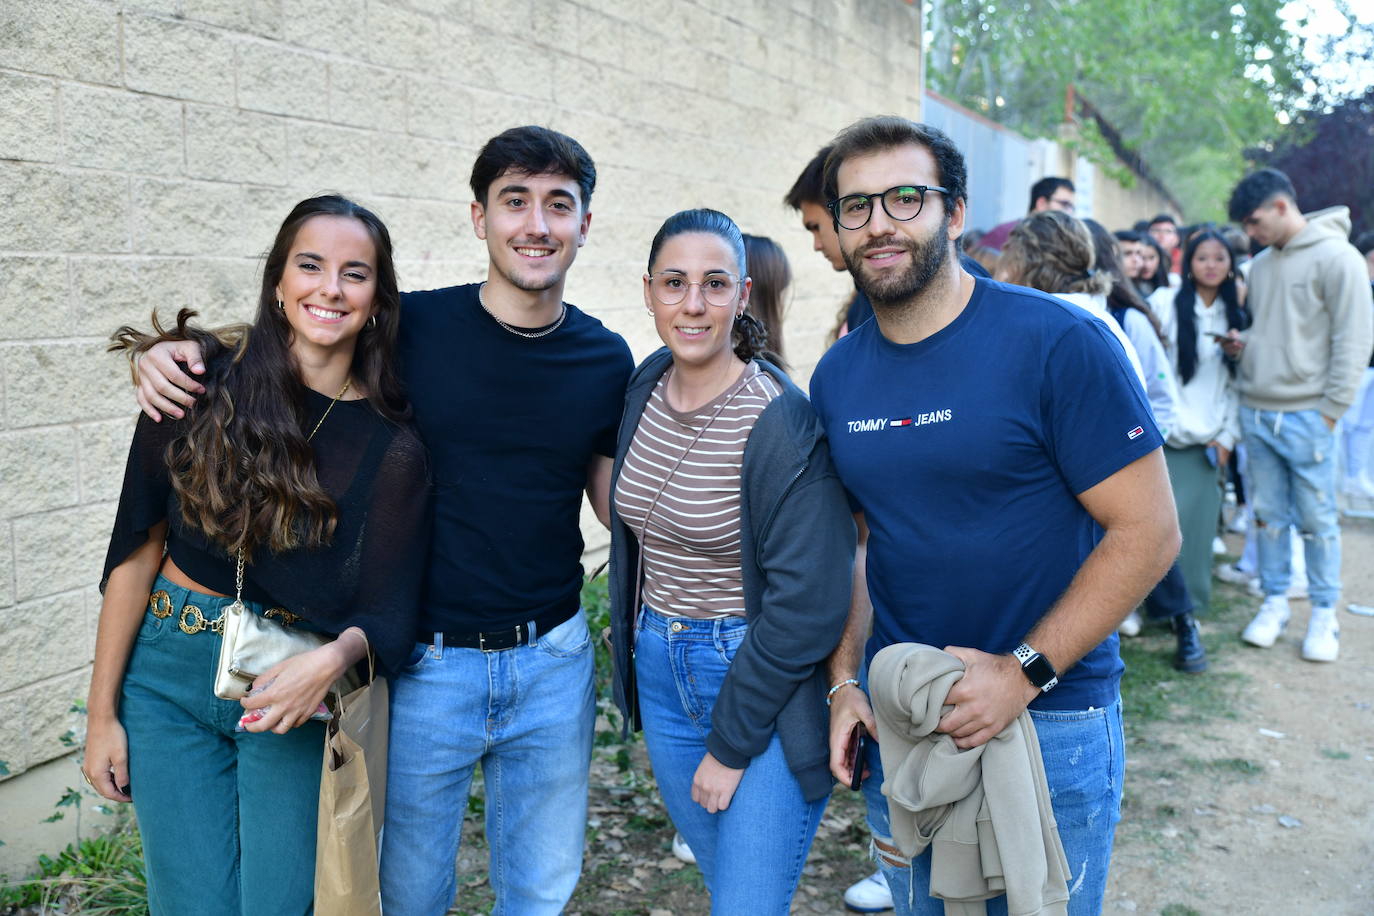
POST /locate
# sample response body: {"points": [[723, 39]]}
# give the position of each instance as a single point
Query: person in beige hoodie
{"points": [[1300, 368]]}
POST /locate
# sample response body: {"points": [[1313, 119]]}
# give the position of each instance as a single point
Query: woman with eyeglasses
{"points": [[731, 550]]}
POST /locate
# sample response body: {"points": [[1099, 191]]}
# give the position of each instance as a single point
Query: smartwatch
{"points": [[1036, 668]]}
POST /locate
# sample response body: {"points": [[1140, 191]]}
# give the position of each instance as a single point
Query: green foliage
{"points": [[97, 876], [1173, 76]]}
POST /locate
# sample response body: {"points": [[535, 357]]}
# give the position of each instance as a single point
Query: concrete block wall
{"points": [[149, 149]]}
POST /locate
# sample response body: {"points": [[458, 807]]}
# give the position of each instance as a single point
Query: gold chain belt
{"points": [[192, 619]]}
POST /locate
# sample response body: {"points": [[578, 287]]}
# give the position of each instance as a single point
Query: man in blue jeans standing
{"points": [[1300, 368], [1002, 457]]}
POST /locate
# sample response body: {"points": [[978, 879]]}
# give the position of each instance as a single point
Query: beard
{"points": [[928, 257]]}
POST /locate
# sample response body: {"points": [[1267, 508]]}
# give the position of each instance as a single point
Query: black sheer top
{"points": [[371, 572]]}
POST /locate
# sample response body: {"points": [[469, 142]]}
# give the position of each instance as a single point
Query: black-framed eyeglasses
{"points": [[902, 203], [718, 289]]}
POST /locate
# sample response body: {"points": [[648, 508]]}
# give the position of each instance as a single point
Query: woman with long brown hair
{"points": [[295, 482]]}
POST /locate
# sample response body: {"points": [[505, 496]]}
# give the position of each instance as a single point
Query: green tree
{"points": [[1187, 84], [1329, 155]]}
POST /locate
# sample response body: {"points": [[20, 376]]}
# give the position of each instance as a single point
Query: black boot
{"points": [[1190, 657]]}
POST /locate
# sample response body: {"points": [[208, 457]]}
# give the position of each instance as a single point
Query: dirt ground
{"points": [[1249, 788]]}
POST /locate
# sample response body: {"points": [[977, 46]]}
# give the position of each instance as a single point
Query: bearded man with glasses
{"points": [[996, 444]]}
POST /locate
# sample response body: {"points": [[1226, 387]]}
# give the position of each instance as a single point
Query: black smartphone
{"points": [[854, 755]]}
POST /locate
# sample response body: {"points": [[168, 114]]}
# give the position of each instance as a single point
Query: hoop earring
{"points": [[372, 322], [281, 305]]}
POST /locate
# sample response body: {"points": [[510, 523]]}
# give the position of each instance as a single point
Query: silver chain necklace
{"points": [[530, 335]]}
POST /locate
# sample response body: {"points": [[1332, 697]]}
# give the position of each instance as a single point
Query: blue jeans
{"points": [[227, 817], [526, 714], [752, 853], [1084, 752], [1292, 461]]}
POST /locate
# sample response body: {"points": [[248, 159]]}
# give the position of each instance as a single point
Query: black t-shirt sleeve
{"points": [[394, 553], [624, 364], [144, 498]]}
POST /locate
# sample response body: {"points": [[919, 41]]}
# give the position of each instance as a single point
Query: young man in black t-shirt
{"points": [[517, 396]]}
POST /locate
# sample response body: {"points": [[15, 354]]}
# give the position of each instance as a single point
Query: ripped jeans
{"points": [[1292, 463], [1085, 765]]}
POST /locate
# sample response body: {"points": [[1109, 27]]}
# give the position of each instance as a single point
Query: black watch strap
{"points": [[1036, 668]]}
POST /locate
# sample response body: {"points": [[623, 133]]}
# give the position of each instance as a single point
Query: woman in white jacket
{"points": [[1207, 425]]}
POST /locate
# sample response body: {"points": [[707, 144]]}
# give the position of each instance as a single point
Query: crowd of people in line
{"points": [[919, 569]]}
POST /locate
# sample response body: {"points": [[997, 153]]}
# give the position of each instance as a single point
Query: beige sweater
{"points": [[984, 812], [1310, 342]]}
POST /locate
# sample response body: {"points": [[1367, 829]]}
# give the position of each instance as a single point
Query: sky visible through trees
{"points": [[1189, 85]]}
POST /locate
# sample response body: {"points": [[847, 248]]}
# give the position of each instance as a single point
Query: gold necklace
{"points": [[341, 393]]}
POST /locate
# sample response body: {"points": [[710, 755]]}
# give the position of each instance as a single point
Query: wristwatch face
{"points": [[1040, 672]]}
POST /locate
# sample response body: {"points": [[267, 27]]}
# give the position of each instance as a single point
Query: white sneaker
{"points": [[1268, 623], [1240, 522], [1218, 546], [682, 850], [869, 895], [1323, 640], [1228, 573], [1130, 626]]}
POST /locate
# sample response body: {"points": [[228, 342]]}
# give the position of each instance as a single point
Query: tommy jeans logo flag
{"points": [[1135, 433]]}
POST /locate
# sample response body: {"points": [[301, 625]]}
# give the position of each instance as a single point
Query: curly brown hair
{"points": [[241, 465], [1053, 252]]}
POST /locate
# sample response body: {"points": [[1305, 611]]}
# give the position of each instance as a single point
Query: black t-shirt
{"points": [[512, 425], [368, 575]]}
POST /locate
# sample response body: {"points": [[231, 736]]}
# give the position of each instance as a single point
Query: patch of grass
{"points": [[1166, 811], [1237, 765], [1331, 754], [1178, 909], [1152, 691], [97, 876]]}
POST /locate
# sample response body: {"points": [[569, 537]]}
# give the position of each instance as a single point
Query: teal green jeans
{"points": [[227, 817]]}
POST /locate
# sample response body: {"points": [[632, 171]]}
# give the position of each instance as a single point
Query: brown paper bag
{"points": [[352, 799]]}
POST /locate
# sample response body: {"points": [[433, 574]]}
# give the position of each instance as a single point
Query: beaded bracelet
{"points": [[844, 683]]}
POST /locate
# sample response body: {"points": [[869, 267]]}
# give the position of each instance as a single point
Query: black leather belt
{"points": [[498, 640], [517, 635]]}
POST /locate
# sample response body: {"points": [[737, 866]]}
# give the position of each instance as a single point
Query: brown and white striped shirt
{"points": [[691, 539]]}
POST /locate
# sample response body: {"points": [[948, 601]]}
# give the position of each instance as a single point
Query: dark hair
{"points": [[1236, 315], [1257, 189], [1239, 242], [1053, 251], [1364, 242], [533, 150], [771, 273], [1161, 274], [1164, 218], [809, 188], [888, 131], [750, 337], [1126, 235], [1045, 188], [1122, 295], [241, 467]]}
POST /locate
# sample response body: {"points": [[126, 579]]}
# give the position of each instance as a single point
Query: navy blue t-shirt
{"points": [[965, 452], [511, 425]]}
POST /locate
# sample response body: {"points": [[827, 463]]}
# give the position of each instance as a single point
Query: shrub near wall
{"points": [[148, 151]]}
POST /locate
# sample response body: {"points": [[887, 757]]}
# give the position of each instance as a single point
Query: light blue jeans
{"points": [[526, 714], [227, 817], [1357, 434], [752, 853], [1292, 463], [1084, 752]]}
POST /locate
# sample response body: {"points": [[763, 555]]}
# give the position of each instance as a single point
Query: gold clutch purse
{"points": [[251, 644]]}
